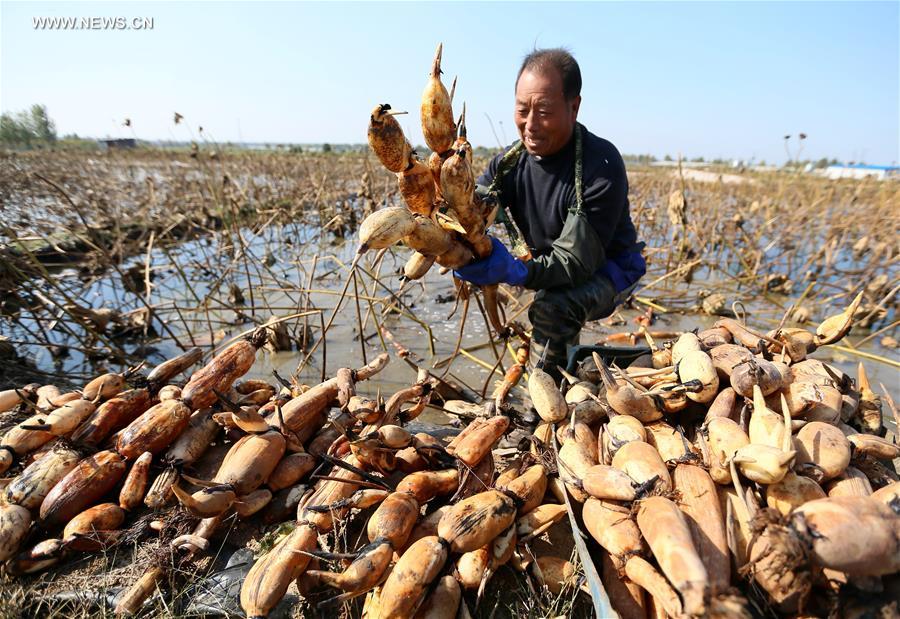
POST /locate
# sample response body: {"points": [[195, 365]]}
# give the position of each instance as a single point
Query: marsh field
{"points": [[111, 259], [126, 256]]}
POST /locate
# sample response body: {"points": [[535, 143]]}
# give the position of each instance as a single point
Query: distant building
{"points": [[860, 170], [120, 143]]}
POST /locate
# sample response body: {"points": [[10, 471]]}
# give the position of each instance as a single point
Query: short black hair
{"points": [[560, 59]]}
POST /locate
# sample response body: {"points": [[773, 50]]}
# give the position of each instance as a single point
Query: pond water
{"points": [[273, 267]]}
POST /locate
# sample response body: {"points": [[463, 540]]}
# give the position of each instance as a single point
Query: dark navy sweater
{"points": [[538, 193]]}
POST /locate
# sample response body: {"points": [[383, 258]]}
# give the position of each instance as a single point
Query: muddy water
{"points": [[428, 300], [272, 269]]}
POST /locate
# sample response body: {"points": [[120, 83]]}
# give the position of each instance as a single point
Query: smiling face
{"points": [[544, 118]]}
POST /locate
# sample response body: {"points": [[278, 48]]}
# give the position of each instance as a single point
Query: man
{"points": [[567, 192]]}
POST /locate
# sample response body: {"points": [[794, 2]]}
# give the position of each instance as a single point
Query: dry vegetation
{"points": [[130, 250], [128, 256]]}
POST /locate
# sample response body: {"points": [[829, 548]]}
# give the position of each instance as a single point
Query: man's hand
{"points": [[500, 266]]}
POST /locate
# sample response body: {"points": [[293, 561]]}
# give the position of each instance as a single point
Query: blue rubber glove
{"points": [[500, 266]]}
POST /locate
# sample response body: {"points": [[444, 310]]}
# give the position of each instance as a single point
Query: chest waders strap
{"points": [[579, 173]]}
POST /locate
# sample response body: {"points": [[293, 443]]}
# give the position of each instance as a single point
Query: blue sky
{"points": [[711, 79]]}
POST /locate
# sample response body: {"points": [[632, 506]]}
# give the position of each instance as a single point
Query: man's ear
{"points": [[576, 103]]}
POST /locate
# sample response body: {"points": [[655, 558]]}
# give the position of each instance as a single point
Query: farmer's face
{"points": [[544, 118]]}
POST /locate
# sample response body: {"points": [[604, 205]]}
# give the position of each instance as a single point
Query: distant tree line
{"points": [[644, 159], [33, 128], [28, 128], [819, 164]]}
